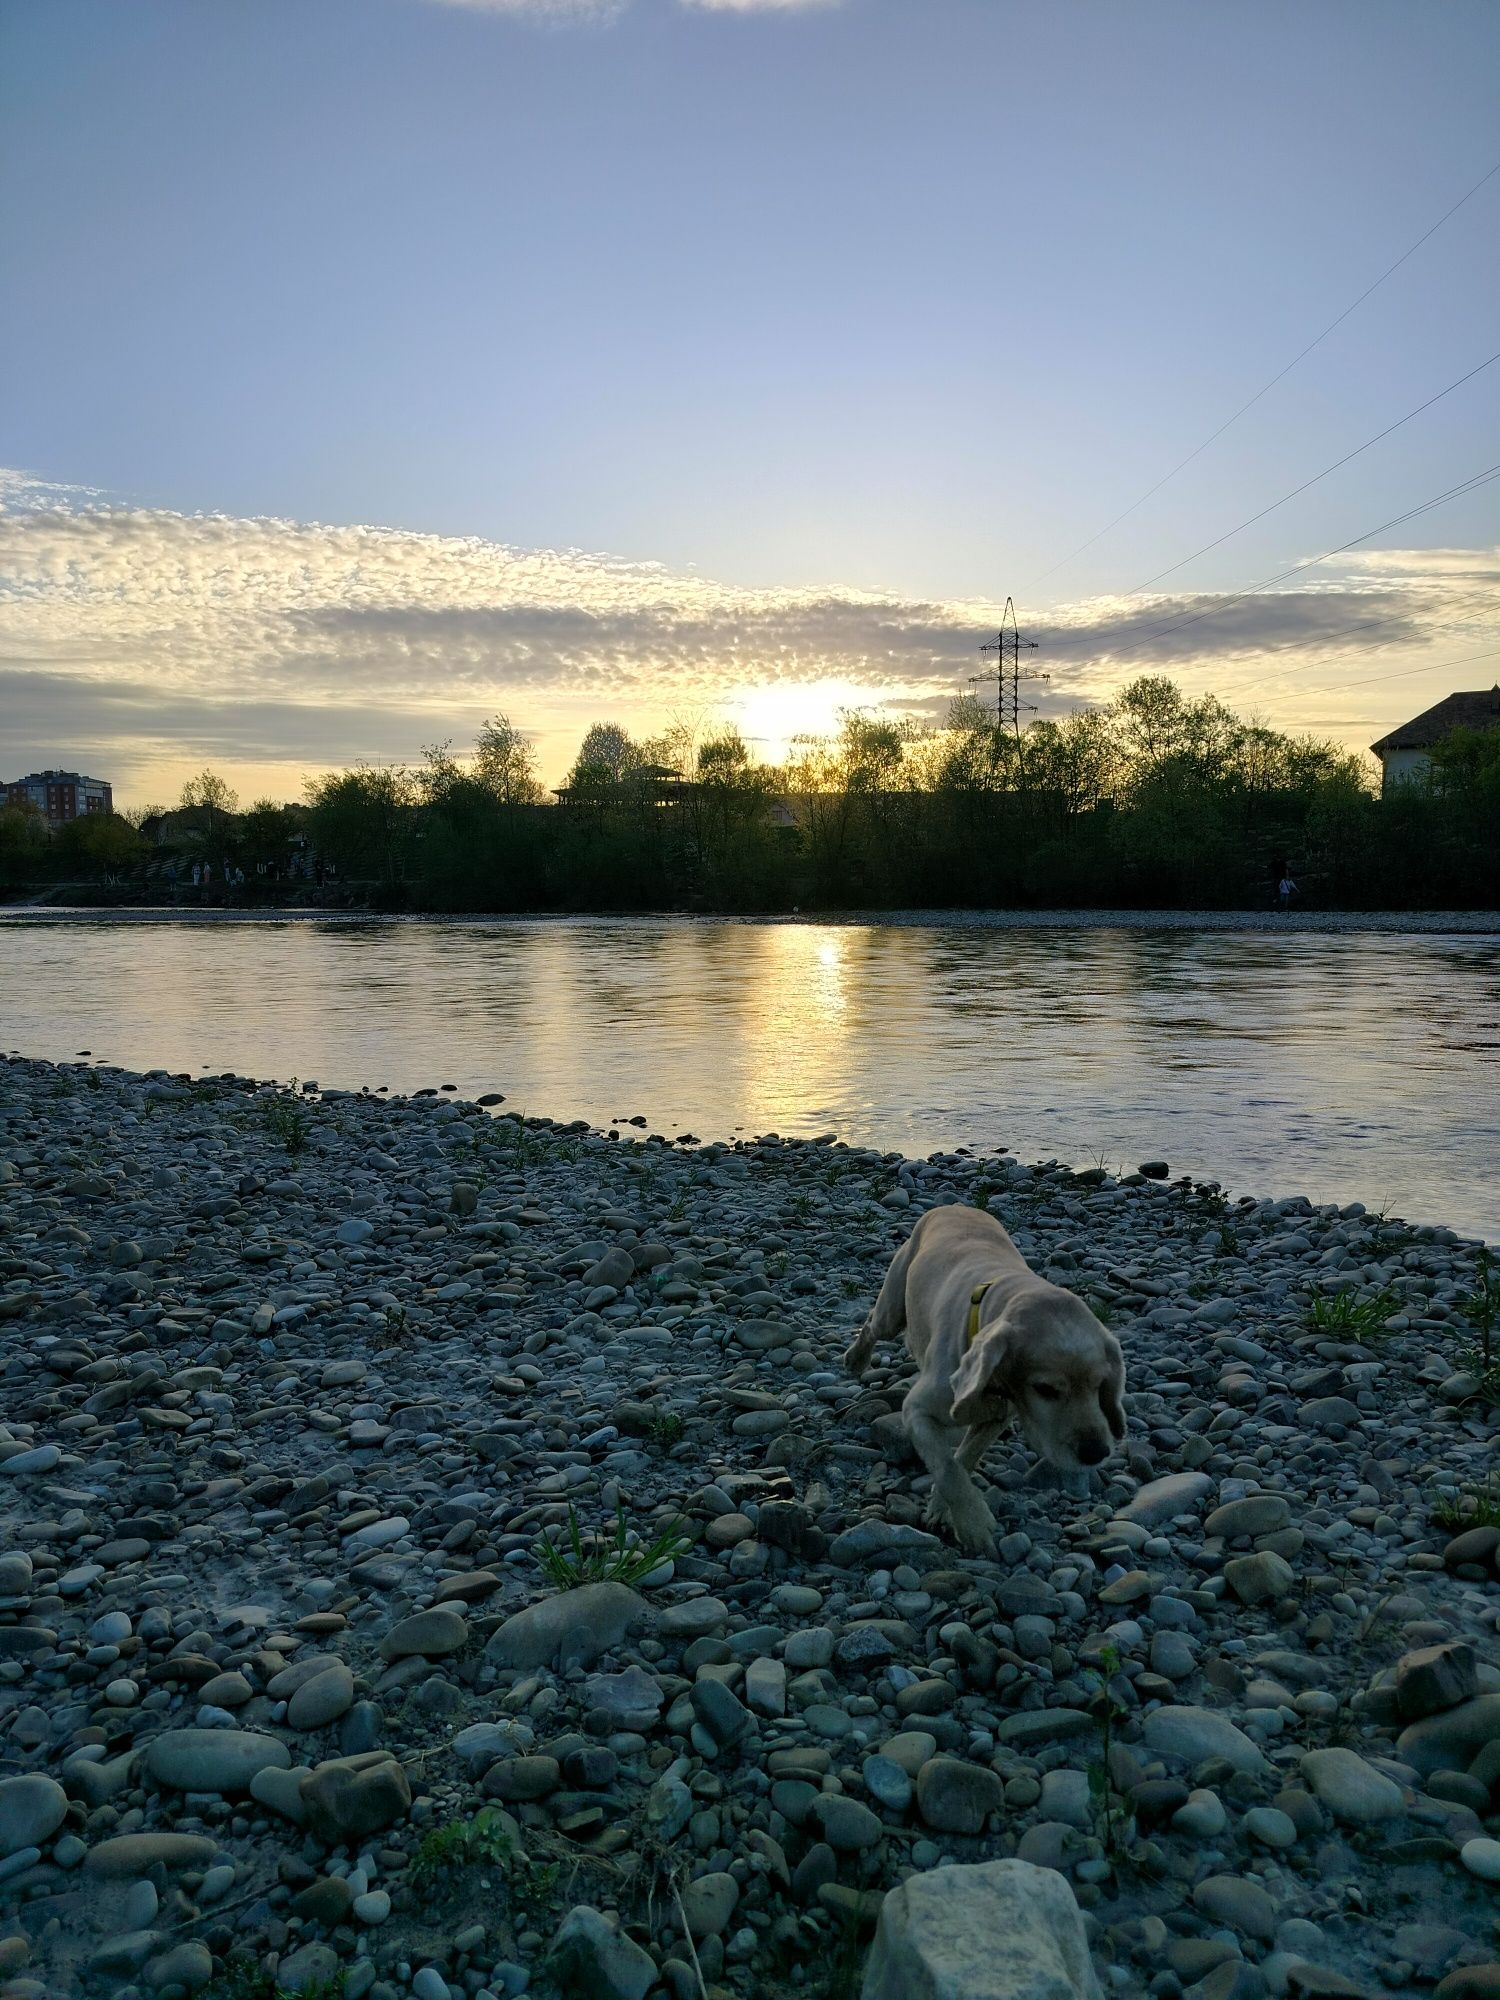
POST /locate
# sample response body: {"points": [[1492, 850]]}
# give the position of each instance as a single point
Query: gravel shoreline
{"points": [[292, 1387]]}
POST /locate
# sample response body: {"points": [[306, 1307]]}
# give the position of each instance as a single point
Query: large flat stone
{"points": [[127, 1855], [573, 1629], [1193, 1735], [213, 1760], [1004, 1930], [869, 1540], [1161, 1500]]}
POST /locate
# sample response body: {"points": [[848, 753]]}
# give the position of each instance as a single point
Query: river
{"points": [[1353, 1066]]}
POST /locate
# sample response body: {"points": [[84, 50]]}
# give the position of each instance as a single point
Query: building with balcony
{"points": [[59, 796]]}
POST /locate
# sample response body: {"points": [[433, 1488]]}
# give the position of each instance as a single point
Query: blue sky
{"points": [[811, 324]]}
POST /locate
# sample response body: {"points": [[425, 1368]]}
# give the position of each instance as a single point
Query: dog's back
{"points": [[932, 1276]]}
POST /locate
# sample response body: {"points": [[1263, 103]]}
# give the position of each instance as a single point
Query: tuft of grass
{"points": [[1348, 1314], [1206, 1202], [1474, 1507], [1481, 1308], [844, 1964], [245, 1978], [606, 1560], [396, 1332], [444, 1850], [447, 1853], [1107, 1712], [667, 1427], [519, 1145], [284, 1119]]}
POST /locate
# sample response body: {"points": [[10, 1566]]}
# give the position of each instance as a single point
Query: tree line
{"points": [[1157, 800]]}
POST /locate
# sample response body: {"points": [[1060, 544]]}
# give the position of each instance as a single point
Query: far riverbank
{"points": [[1315, 923]]}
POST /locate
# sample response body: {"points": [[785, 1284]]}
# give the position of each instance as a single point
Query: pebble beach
{"points": [[314, 1404]]}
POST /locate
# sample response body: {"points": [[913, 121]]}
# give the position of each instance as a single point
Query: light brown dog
{"points": [[992, 1341]]}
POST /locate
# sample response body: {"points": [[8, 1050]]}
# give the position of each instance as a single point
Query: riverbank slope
{"points": [[292, 1387]]}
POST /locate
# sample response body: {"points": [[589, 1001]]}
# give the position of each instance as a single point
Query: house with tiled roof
{"points": [[1403, 753]]}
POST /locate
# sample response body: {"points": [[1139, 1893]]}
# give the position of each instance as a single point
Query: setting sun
{"points": [[771, 718]]}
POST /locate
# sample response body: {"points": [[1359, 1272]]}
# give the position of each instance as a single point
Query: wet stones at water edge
{"points": [[288, 1695]]}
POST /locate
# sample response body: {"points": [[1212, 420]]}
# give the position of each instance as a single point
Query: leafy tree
{"points": [[606, 756], [101, 843], [213, 801], [1465, 768], [23, 842], [505, 763], [1463, 781], [362, 819], [265, 834]]}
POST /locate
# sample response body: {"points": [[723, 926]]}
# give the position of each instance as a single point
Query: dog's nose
{"points": [[1092, 1450]]}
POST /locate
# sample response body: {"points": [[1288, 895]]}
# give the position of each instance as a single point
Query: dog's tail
{"points": [[886, 1317]]}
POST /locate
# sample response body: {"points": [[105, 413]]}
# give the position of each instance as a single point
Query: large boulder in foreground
{"points": [[348, 1798], [592, 1955], [1004, 1930], [573, 1629]]}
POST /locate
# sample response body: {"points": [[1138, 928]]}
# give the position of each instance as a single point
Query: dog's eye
{"points": [[1046, 1391]]}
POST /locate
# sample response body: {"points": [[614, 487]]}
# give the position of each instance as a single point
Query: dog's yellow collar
{"points": [[976, 1300]]}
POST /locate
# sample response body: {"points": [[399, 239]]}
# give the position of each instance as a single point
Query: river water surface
{"points": [[1360, 1066]]}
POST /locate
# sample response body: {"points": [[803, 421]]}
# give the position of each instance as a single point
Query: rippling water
{"points": [[1352, 1067]]}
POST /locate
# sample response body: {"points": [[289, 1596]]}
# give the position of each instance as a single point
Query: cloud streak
{"points": [[269, 630]]}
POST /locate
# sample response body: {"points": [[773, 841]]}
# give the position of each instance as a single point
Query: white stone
{"points": [[1482, 1858], [1004, 1930]]}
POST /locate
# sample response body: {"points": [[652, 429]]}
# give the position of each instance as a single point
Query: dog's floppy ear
{"points": [[1112, 1395], [985, 1370]]}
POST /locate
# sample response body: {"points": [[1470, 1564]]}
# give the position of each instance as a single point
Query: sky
{"points": [[369, 367]]}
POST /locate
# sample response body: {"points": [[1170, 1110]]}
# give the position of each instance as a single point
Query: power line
{"points": [[1373, 680], [1222, 604], [1265, 388], [1317, 476], [1327, 642]]}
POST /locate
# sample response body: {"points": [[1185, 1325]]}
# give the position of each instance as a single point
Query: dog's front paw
{"points": [[974, 1528], [856, 1358]]}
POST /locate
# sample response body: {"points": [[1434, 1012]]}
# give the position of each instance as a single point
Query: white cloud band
{"points": [[292, 618]]}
